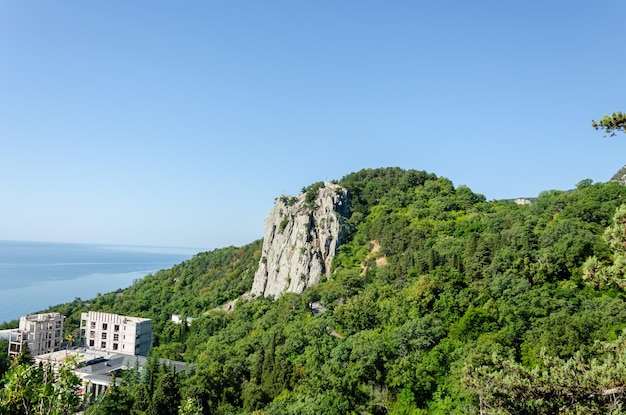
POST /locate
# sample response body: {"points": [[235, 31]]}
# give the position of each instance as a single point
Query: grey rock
{"points": [[620, 176], [300, 241]]}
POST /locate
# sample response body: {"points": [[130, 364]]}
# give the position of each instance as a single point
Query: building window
{"points": [[116, 337], [104, 336], [84, 323], [116, 327], [93, 324], [105, 326], [58, 325], [91, 343], [114, 346], [92, 334], [103, 345]]}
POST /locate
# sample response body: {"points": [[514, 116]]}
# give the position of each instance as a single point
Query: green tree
{"points": [[4, 357], [611, 123], [116, 401], [166, 398], [605, 275], [573, 386], [40, 389], [189, 406]]}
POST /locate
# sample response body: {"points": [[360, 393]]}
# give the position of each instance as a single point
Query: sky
{"points": [[165, 123]]}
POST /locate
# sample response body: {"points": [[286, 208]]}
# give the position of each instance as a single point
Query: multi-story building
{"points": [[42, 333], [116, 334]]}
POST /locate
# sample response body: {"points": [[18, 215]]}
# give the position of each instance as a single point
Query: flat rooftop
{"points": [[106, 317], [43, 317], [99, 367]]}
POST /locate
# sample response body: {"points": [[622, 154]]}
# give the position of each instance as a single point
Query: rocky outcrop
{"points": [[620, 176], [300, 240]]}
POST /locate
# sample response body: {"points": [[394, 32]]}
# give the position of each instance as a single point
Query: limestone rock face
{"points": [[300, 240], [620, 176]]}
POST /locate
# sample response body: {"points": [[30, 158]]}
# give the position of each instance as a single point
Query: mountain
{"points": [[429, 299]]}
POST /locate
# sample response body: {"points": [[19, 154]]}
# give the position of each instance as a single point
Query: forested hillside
{"points": [[440, 302]]}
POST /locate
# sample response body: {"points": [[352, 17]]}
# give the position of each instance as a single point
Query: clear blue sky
{"points": [[177, 123]]}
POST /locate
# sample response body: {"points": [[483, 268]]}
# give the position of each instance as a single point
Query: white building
{"points": [[177, 319], [116, 334], [42, 333]]}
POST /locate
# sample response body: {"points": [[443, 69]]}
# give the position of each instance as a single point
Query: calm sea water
{"points": [[36, 275]]}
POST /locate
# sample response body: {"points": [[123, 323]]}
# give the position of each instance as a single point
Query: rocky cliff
{"points": [[300, 240], [620, 176]]}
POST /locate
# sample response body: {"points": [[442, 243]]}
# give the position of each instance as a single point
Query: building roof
{"points": [[100, 367], [99, 315], [42, 317]]}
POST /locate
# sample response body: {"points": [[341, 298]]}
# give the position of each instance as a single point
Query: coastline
{"points": [[37, 297], [37, 275]]}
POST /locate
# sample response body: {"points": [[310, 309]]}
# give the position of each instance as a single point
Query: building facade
{"points": [[116, 334], [42, 333]]}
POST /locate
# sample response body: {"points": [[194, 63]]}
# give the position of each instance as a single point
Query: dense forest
{"points": [[440, 302]]}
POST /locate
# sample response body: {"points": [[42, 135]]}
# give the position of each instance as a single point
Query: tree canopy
{"points": [[39, 389], [611, 123]]}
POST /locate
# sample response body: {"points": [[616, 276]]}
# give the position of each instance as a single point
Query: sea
{"points": [[37, 275]]}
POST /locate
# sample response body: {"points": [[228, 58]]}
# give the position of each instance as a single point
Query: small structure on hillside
{"points": [[178, 319]]}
